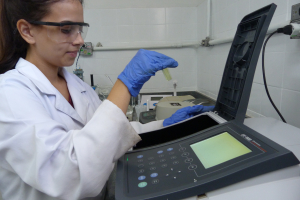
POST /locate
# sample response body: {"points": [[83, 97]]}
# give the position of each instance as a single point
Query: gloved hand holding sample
{"points": [[185, 113], [142, 66]]}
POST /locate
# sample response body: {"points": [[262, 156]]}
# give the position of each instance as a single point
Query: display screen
{"points": [[219, 149], [156, 98]]}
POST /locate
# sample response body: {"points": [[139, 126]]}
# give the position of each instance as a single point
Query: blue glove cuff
{"points": [[133, 91], [168, 122]]}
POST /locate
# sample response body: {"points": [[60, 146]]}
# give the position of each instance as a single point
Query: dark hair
{"points": [[12, 45]]}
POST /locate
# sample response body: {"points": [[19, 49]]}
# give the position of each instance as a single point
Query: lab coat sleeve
{"points": [[60, 163], [151, 126]]}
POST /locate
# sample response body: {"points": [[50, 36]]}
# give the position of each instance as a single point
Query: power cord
{"points": [[285, 30], [79, 54]]}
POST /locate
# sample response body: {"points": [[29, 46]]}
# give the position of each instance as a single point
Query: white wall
{"points": [[282, 59], [199, 69], [141, 26]]}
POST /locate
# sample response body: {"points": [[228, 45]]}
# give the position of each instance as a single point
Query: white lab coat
{"points": [[48, 149]]}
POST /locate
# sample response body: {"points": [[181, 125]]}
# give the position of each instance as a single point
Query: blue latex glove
{"points": [[185, 113], [142, 66]]}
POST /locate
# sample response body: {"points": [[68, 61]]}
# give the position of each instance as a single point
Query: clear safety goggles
{"points": [[64, 31]]}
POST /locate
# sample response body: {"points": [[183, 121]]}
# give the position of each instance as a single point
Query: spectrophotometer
{"points": [[216, 155]]}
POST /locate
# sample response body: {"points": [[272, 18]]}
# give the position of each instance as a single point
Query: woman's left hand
{"points": [[185, 113]]}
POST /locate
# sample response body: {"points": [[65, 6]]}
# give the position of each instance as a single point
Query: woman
{"points": [[57, 139]]}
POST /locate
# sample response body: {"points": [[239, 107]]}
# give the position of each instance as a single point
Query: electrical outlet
{"points": [[295, 14], [87, 49]]}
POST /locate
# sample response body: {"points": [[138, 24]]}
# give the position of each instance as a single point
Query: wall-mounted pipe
{"points": [[271, 29], [163, 46], [208, 25]]}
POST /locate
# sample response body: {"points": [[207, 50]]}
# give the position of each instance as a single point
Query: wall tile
{"points": [[257, 4], [281, 6], [202, 12], [174, 15], [141, 33], [125, 17], [109, 34], [243, 9], [291, 78], [292, 45], [157, 16], [140, 16], [189, 15], [230, 20], [174, 32], [203, 81], [107, 17], [266, 107], [158, 32], [125, 33], [276, 43], [255, 98], [189, 32], [290, 107], [273, 68]]}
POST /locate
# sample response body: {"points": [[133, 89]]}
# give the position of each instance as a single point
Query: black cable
{"points": [[264, 76], [79, 54]]}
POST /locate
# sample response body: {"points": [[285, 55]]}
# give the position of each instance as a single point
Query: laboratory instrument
{"points": [[79, 73], [203, 162], [212, 150], [153, 99], [86, 49]]}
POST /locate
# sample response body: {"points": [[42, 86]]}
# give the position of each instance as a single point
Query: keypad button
{"points": [[174, 177], [155, 181], [175, 162], [153, 175], [182, 149], [141, 171], [167, 174], [164, 166], [161, 156], [160, 152], [140, 160], [188, 160], [185, 154], [171, 153], [142, 184], [152, 168], [151, 163], [163, 160], [179, 172], [142, 178], [140, 165], [140, 156], [170, 149], [173, 157], [192, 167], [150, 158]]}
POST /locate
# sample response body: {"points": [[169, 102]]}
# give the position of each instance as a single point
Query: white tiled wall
{"points": [[202, 68], [141, 26], [282, 59]]}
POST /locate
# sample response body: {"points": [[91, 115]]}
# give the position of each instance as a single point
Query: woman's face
{"points": [[54, 52]]}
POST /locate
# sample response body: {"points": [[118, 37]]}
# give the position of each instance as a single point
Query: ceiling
{"points": [[117, 4]]}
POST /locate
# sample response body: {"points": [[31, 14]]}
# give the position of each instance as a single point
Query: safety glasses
{"points": [[64, 31]]}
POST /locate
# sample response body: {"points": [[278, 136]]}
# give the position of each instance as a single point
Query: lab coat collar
{"points": [[44, 85], [40, 80]]}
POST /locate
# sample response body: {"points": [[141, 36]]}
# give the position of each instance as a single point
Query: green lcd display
{"points": [[219, 149]]}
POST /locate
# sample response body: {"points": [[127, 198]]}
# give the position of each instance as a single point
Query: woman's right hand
{"points": [[142, 66]]}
